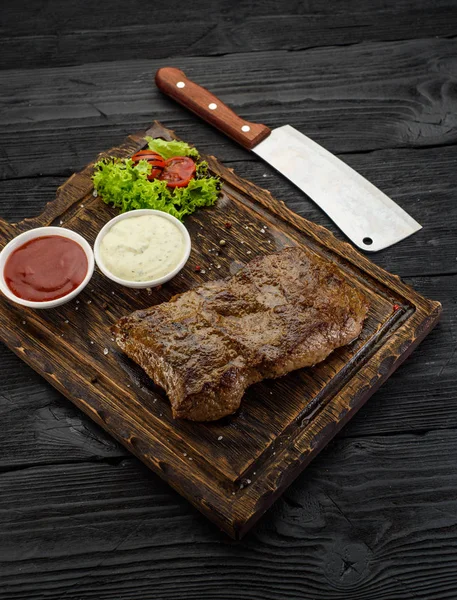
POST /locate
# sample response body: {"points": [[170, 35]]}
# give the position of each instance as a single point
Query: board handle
{"points": [[64, 199], [203, 103], [7, 231]]}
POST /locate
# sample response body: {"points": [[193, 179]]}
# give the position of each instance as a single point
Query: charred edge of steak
{"points": [[282, 312]]}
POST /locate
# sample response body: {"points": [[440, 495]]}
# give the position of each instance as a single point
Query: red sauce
{"points": [[45, 268]]}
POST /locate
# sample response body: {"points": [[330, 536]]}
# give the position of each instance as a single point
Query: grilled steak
{"points": [[282, 312]]}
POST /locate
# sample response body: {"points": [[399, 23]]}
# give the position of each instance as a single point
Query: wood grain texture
{"points": [[380, 95], [41, 427], [52, 34], [265, 445], [194, 97], [402, 96], [123, 534], [422, 182], [397, 492], [421, 396]]}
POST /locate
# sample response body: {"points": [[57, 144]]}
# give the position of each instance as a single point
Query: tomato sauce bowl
{"points": [[45, 267]]}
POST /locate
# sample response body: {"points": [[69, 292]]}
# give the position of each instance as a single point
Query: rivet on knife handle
{"points": [[203, 103], [370, 219]]}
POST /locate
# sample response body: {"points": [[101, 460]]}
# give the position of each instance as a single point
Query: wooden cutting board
{"points": [[231, 470]]}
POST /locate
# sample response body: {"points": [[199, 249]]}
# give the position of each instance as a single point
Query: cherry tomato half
{"points": [[178, 171], [154, 159]]}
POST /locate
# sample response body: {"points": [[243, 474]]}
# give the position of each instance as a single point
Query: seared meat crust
{"points": [[281, 312]]}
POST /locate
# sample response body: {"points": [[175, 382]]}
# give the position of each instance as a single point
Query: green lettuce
{"points": [[172, 148], [120, 182]]}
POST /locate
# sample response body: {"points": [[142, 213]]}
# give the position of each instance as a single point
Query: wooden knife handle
{"points": [[203, 103]]}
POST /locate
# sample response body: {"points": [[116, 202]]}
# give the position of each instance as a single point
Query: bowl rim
{"points": [[34, 233], [150, 282]]}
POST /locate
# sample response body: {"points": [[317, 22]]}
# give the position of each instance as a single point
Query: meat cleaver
{"points": [[369, 218]]}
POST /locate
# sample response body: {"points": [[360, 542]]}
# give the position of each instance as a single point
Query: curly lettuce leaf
{"points": [[197, 194], [201, 170], [172, 148], [125, 185]]}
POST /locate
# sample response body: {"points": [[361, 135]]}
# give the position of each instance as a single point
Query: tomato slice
{"points": [[154, 159], [178, 171]]}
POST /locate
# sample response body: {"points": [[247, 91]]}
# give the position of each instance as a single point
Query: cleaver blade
{"points": [[367, 216]]}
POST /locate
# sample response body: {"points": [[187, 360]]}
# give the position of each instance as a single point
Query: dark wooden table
{"points": [[375, 515]]}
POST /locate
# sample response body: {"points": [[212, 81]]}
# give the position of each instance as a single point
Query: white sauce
{"points": [[142, 248]]}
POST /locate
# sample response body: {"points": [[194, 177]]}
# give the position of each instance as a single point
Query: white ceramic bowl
{"points": [[152, 282], [40, 232]]}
